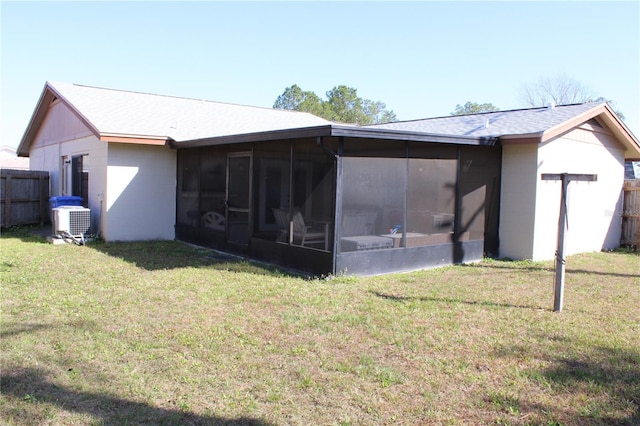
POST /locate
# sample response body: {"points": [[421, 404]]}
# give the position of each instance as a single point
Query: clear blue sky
{"points": [[420, 58]]}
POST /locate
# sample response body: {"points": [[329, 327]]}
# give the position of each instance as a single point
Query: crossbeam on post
{"points": [[565, 178]]}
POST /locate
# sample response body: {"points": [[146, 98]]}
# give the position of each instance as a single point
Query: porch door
{"points": [[238, 201]]}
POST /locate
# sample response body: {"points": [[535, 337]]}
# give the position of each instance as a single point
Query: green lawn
{"points": [[165, 333]]}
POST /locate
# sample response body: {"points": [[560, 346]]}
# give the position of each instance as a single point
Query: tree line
{"points": [[342, 103]]}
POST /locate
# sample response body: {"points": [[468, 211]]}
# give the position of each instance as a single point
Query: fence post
{"points": [[7, 201], [630, 235]]}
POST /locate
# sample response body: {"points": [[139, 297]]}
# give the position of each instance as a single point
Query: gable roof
{"points": [[530, 125], [120, 116], [124, 116]]}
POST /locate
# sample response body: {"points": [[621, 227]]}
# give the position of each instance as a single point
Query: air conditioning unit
{"points": [[71, 221]]}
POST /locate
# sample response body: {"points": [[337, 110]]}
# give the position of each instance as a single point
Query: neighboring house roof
{"points": [[118, 115], [9, 159], [524, 125]]}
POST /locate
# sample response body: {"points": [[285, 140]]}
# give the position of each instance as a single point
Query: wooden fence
{"points": [[631, 214], [24, 197]]}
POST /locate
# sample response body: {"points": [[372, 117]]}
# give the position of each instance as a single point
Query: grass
{"points": [[165, 333]]}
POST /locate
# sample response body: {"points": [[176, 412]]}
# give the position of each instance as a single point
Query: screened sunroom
{"points": [[340, 199]]}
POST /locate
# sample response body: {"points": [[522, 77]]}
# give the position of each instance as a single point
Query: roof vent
{"points": [[486, 123], [551, 105]]}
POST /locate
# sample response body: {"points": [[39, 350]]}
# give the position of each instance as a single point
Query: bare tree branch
{"points": [[560, 90]]}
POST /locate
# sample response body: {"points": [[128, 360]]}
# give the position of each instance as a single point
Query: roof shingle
{"points": [[495, 124], [142, 114]]}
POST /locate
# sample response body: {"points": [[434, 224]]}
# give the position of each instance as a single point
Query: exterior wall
{"points": [[518, 200], [140, 200], [63, 134], [131, 187], [49, 158], [594, 208]]}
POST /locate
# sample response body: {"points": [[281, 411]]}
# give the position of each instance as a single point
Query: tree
{"points": [[342, 105], [474, 108], [294, 98], [559, 90], [378, 112]]}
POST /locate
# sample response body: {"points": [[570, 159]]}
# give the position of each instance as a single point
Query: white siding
{"points": [[594, 208], [517, 200], [141, 194]]}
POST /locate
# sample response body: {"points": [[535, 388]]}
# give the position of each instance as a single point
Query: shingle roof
{"points": [[193, 122], [118, 112], [495, 124]]}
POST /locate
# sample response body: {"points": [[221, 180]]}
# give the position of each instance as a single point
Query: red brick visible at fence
{"points": [[631, 214]]}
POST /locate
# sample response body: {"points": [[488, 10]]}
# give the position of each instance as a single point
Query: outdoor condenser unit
{"points": [[71, 220]]}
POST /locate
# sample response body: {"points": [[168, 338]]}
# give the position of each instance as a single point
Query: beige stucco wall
{"points": [[530, 207], [517, 200], [140, 202], [594, 208]]}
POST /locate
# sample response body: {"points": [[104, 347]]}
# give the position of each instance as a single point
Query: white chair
{"points": [[303, 234], [213, 220]]}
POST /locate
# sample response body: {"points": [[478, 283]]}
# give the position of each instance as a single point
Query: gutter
{"points": [[333, 130]]}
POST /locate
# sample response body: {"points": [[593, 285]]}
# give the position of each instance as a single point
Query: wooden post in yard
{"points": [[565, 178]]}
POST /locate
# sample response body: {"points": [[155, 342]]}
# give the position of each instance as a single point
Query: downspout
{"points": [[319, 142]]}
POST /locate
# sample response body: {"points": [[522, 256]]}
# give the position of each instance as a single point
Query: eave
{"points": [[334, 130], [611, 120], [603, 112], [135, 139], [49, 94]]}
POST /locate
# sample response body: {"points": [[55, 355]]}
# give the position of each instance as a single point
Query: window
{"points": [[80, 178]]}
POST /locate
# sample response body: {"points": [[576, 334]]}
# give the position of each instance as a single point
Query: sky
{"points": [[420, 58]]}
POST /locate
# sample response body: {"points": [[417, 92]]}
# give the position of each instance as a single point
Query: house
{"points": [[632, 170], [297, 190], [114, 148], [10, 160]]}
